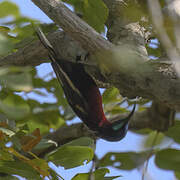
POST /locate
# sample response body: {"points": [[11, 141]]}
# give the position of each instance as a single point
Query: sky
{"points": [[132, 142]]}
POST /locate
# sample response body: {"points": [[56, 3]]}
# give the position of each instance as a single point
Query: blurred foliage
{"points": [[124, 160], [94, 12], [168, 159], [26, 115], [98, 174], [153, 139], [74, 153]]}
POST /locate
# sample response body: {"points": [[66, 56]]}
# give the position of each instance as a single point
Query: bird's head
{"points": [[116, 130]]}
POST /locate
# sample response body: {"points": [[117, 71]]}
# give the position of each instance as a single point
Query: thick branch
{"points": [[73, 25], [34, 53]]}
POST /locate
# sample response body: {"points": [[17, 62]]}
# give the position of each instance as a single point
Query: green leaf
{"points": [[124, 160], [173, 132], [19, 168], [6, 156], [52, 86], [111, 177], [83, 141], [20, 21], [41, 163], [168, 159], [16, 140], [54, 174], [49, 27], [33, 124], [177, 174], [73, 154], [4, 30], [144, 131], [68, 113], [14, 107], [50, 115], [10, 178], [8, 8], [154, 51], [154, 138], [25, 33], [118, 110], [110, 95], [94, 12], [98, 174], [45, 143], [17, 79], [142, 101], [7, 131], [6, 45]]}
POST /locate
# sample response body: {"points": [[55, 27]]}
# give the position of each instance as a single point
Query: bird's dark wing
{"points": [[65, 73]]}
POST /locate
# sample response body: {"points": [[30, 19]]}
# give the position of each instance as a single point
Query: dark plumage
{"points": [[84, 97]]}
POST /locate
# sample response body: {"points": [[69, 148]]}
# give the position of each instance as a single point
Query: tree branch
{"points": [[34, 53], [73, 25]]}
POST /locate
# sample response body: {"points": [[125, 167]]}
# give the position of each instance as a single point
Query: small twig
{"points": [[121, 102], [148, 158], [115, 104], [91, 175], [93, 167]]}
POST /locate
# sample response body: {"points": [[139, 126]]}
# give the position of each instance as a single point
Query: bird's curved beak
{"points": [[123, 122]]}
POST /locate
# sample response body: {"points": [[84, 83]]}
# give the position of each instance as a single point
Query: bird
{"points": [[83, 95]]}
